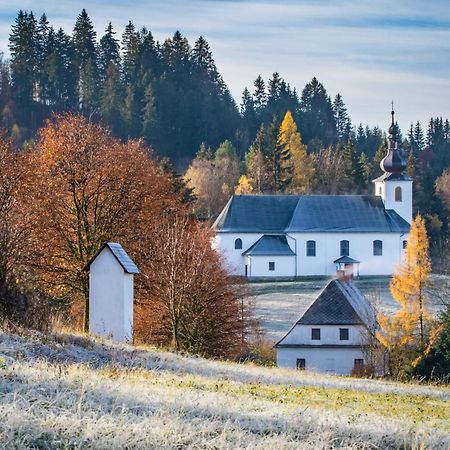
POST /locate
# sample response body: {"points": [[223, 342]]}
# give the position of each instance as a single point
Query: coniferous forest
{"points": [[171, 95]]}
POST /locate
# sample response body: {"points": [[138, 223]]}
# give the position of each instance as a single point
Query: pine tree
{"points": [[109, 51], [343, 123], [296, 171], [316, 114], [351, 164], [260, 97], [84, 37], [112, 98]]}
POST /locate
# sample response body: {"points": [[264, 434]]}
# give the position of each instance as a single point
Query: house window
{"points": [[271, 265], [377, 248], [380, 190], [315, 334], [343, 334], [311, 248], [301, 363], [405, 243], [359, 364], [398, 194], [238, 244], [345, 248]]}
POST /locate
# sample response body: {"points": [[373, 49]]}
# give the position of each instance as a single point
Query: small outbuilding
{"points": [[111, 291], [333, 334]]}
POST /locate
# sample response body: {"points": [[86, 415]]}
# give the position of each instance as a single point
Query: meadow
{"points": [[69, 391]]}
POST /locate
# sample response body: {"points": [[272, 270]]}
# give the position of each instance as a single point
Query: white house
{"points": [[111, 273], [332, 334], [290, 236]]}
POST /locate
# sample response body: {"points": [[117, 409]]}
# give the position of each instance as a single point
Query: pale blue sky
{"points": [[369, 51]]}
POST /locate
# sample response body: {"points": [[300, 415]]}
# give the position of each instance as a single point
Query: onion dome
{"points": [[393, 162]]}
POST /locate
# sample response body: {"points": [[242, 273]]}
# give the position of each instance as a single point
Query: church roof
{"points": [[340, 303], [270, 245], [345, 260], [315, 213]]}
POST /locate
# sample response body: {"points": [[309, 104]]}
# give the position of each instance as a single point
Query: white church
{"points": [[291, 236]]}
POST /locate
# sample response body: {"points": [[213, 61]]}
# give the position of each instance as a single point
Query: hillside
{"points": [[67, 391]]}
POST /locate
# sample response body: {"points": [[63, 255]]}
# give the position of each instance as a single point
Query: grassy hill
{"points": [[67, 391]]}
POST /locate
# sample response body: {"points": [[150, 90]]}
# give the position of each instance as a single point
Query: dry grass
{"points": [[68, 391]]}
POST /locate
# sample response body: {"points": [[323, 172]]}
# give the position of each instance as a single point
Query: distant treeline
{"points": [[172, 95]]}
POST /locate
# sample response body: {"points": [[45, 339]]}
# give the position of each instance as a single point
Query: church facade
{"points": [[290, 236]]}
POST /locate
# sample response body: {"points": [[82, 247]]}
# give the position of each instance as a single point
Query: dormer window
{"points": [[238, 244], [398, 194]]}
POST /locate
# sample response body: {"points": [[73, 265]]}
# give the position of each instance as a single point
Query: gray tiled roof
{"points": [[120, 254], [257, 213], [270, 245], [316, 213], [345, 260], [340, 303], [344, 213]]}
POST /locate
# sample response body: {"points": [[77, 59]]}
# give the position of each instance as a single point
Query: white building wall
{"points": [[258, 266], [327, 251], [329, 335], [111, 298], [332, 360], [386, 190], [361, 249]]}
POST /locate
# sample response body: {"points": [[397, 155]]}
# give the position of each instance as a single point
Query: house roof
{"points": [[316, 213], [339, 303], [270, 245], [121, 256]]}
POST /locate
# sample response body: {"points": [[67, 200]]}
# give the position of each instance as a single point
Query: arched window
{"points": [[405, 244], [311, 248], [238, 244], [398, 194], [377, 248], [345, 248]]}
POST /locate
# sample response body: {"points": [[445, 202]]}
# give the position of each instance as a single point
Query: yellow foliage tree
{"points": [[244, 186], [411, 326], [296, 167]]}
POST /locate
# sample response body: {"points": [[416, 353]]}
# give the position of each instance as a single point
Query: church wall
{"points": [[404, 207], [361, 249], [258, 266]]}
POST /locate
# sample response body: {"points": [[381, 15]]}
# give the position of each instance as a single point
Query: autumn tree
{"points": [[296, 172], [192, 303], [88, 189], [408, 331], [15, 226], [329, 167]]}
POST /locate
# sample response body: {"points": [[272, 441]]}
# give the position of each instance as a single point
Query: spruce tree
{"points": [[260, 97], [350, 157], [343, 123], [109, 51]]}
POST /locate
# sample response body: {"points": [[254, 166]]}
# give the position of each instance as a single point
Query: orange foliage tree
{"points": [[15, 225], [89, 188], [410, 328]]}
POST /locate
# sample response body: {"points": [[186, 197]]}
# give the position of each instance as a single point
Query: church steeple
{"points": [[393, 162], [393, 186]]}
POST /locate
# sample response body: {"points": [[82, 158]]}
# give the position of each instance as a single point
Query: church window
{"points": [[238, 244], [345, 248], [380, 190], [405, 243], [377, 248], [398, 194], [271, 265], [315, 334], [311, 248], [358, 364]]}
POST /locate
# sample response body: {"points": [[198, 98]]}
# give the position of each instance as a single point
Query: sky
{"points": [[371, 52]]}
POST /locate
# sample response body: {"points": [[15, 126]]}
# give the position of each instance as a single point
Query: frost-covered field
{"points": [[278, 305], [64, 391]]}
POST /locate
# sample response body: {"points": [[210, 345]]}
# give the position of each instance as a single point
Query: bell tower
{"points": [[394, 187]]}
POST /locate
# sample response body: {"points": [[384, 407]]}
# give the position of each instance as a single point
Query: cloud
{"points": [[368, 51]]}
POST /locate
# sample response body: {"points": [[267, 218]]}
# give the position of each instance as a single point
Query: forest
{"points": [[171, 95]]}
